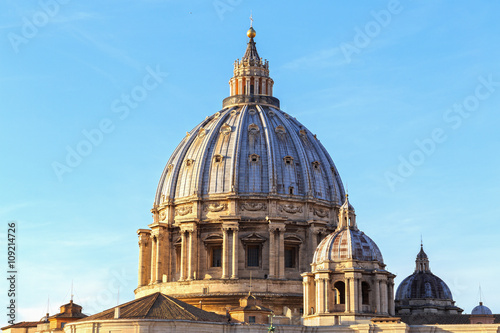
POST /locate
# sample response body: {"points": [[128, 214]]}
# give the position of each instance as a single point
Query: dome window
{"points": [[201, 133], [288, 160], [280, 129], [303, 132], [189, 162], [253, 129], [315, 165], [225, 129], [254, 158], [218, 158], [271, 113], [252, 111]]}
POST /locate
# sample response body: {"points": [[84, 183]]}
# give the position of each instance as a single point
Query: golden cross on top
{"points": [[251, 20]]}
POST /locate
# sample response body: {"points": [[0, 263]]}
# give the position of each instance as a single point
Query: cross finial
{"points": [[251, 20]]}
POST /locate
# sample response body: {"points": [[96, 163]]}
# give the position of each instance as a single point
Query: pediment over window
{"points": [[253, 238], [292, 240], [213, 239]]}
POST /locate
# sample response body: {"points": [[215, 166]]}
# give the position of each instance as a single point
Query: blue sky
{"points": [[403, 94]]}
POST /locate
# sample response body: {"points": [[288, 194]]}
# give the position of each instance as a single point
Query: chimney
{"points": [[117, 312]]}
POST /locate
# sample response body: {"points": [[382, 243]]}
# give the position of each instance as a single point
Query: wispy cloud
{"points": [[106, 48], [325, 58]]}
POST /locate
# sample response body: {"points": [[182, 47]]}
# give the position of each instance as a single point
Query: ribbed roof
{"points": [[23, 324], [159, 306], [423, 285], [251, 51], [252, 150], [347, 244]]}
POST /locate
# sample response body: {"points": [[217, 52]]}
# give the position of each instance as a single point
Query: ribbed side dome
{"points": [[423, 285], [347, 244], [481, 310], [253, 150]]}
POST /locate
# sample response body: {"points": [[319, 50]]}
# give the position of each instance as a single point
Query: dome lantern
{"points": [[251, 81]]}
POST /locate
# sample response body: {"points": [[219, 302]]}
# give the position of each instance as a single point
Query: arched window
{"points": [[365, 293], [339, 289]]}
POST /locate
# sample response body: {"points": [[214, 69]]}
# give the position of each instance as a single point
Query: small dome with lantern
{"points": [[347, 242]]}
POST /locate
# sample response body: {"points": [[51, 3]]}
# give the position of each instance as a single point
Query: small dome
{"points": [[347, 244], [481, 310], [423, 285]]}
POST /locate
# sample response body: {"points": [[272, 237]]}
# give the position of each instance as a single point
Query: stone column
{"points": [[272, 253], [353, 291], [153, 259], [190, 255], [225, 253], [144, 256], [360, 295], [347, 295], [391, 298], [234, 274], [305, 300], [167, 256], [182, 276], [159, 255], [281, 253], [384, 298], [328, 291], [376, 288], [320, 295]]}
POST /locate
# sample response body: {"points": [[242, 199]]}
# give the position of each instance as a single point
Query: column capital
{"points": [[144, 236], [230, 226], [318, 230], [276, 225], [188, 227]]}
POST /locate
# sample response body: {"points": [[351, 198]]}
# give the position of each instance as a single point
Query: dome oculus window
{"points": [[218, 158]]}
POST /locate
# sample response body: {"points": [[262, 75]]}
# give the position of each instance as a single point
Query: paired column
{"points": [[229, 250], [189, 238], [376, 287], [391, 297], [347, 295], [234, 274], [154, 259], [320, 295], [160, 237], [144, 256], [383, 296], [272, 254], [354, 294], [182, 275], [276, 250]]}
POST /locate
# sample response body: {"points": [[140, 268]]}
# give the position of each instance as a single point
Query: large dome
{"points": [[255, 150]]}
